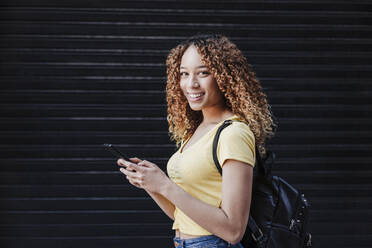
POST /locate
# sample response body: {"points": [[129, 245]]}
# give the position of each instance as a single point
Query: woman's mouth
{"points": [[195, 96]]}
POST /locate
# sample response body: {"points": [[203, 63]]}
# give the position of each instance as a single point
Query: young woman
{"points": [[208, 81]]}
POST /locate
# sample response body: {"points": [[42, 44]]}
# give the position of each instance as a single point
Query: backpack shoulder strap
{"points": [[215, 143], [258, 162]]}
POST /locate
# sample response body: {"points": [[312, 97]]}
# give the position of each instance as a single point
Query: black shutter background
{"points": [[77, 75]]}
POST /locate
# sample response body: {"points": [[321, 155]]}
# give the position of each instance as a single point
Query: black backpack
{"points": [[279, 212]]}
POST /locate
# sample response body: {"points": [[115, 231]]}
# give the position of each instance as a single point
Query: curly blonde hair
{"points": [[236, 80]]}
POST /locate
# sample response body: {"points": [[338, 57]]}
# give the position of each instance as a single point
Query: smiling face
{"points": [[197, 83]]}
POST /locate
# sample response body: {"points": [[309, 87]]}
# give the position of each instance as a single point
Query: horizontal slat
{"points": [[179, 29], [341, 241], [87, 137], [98, 55], [163, 150], [13, 55], [116, 177], [363, 71], [251, 14], [269, 82], [126, 216], [162, 137], [97, 98], [146, 203], [137, 124], [110, 110], [91, 70], [86, 151], [143, 123], [81, 82], [73, 164], [95, 111], [115, 98], [344, 5], [78, 230], [124, 190], [97, 190], [89, 241], [56, 203], [127, 230], [255, 43], [86, 217], [108, 164]]}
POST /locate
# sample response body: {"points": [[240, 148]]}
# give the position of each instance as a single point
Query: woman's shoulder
{"points": [[239, 125], [237, 142], [237, 130]]}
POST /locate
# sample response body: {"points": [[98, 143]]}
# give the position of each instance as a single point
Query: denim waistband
{"points": [[195, 240], [203, 242]]}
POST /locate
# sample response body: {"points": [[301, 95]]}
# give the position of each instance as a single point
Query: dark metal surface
{"points": [[75, 75]]}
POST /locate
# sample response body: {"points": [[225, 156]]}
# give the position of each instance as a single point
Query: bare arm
{"points": [[229, 221], [165, 205]]}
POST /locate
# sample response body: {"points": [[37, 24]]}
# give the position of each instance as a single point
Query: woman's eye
{"points": [[183, 74], [204, 72]]}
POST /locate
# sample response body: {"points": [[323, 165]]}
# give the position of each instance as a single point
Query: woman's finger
{"points": [[134, 176], [131, 177], [121, 162], [136, 168], [128, 165], [128, 172], [135, 160], [146, 163], [133, 182]]}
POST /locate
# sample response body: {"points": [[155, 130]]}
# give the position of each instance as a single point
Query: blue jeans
{"points": [[209, 241]]}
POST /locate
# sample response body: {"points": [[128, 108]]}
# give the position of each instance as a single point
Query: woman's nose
{"points": [[193, 81]]}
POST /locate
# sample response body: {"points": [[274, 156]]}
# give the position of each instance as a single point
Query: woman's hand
{"points": [[143, 174]]}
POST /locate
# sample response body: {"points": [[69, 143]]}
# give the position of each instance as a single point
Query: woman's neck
{"points": [[215, 116]]}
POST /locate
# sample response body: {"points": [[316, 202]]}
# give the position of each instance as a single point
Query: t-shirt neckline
{"points": [[182, 151]]}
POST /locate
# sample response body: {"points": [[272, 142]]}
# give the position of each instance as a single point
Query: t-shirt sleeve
{"points": [[237, 142]]}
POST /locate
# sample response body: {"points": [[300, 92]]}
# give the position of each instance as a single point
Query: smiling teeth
{"points": [[195, 95]]}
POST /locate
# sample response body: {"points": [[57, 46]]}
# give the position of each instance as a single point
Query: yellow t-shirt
{"points": [[195, 172]]}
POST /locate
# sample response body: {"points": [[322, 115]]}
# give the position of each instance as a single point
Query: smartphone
{"points": [[115, 151]]}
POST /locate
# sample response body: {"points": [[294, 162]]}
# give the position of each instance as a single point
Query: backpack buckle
{"points": [[259, 238]]}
